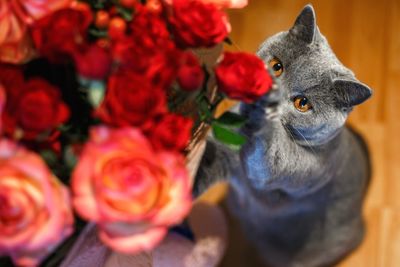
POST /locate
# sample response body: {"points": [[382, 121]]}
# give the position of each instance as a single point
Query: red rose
{"points": [[172, 132], [131, 100], [159, 64], [243, 76], [33, 110], [11, 75], [59, 34], [148, 50], [197, 24], [190, 74], [151, 27], [93, 62]]}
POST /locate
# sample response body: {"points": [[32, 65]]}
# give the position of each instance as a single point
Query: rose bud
{"points": [[102, 19], [172, 132], [190, 74], [93, 62], [117, 28]]}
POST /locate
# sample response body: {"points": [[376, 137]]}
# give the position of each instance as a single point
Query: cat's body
{"points": [[299, 182]]}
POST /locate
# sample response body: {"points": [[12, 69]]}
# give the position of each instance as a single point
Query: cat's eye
{"points": [[276, 66], [302, 104]]}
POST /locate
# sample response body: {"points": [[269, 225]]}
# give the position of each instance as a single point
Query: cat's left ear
{"points": [[351, 93], [305, 27]]}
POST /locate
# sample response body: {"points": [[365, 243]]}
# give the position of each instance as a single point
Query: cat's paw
{"points": [[266, 109]]}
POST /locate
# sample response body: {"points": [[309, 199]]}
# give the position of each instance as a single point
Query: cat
{"points": [[298, 184]]}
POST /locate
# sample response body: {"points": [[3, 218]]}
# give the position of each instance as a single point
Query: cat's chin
{"points": [[313, 140]]}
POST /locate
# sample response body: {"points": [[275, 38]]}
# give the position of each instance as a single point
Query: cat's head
{"points": [[318, 91]]}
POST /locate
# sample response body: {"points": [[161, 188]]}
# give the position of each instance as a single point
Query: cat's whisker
{"points": [[290, 136], [305, 140], [272, 113]]}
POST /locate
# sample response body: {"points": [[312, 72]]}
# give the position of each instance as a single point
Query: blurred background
{"points": [[365, 35]]}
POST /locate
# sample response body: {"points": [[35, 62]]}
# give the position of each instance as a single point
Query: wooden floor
{"points": [[365, 35]]}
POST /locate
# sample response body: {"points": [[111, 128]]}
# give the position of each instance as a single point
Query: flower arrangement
{"points": [[91, 97]]}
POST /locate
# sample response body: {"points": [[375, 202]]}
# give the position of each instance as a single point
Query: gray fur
{"points": [[299, 182]]}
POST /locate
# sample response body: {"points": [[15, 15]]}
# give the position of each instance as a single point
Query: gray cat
{"points": [[298, 183]]}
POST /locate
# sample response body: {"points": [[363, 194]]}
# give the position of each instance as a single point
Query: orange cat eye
{"points": [[276, 66], [302, 104]]}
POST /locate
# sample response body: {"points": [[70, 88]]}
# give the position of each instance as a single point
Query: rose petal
{"points": [[180, 198], [84, 201], [144, 241]]}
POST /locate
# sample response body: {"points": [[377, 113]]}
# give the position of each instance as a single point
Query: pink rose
{"points": [[222, 3], [133, 192], [35, 213], [15, 15], [31, 10], [15, 43], [197, 24], [228, 3], [2, 103]]}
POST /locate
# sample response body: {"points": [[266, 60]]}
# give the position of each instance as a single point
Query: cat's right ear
{"points": [[350, 93], [305, 27]]}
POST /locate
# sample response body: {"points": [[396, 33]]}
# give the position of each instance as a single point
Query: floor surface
{"points": [[365, 35]]}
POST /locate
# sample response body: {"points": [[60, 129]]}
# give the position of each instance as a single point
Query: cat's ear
{"points": [[350, 92], [305, 27]]}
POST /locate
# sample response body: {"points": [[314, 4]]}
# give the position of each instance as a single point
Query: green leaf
{"points": [[227, 136], [204, 109], [125, 13], [98, 33], [231, 119], [70, 158], [49, 157]]}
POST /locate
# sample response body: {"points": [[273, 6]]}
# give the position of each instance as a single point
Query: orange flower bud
{"points": [[102, 19], [117, 28]]}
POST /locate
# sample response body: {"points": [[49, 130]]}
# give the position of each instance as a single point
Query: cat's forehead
{"points": [[287, 48], [315, 61]]}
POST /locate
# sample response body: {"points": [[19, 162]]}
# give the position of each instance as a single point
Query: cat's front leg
{"points": [[216, 165], [219, 162]]}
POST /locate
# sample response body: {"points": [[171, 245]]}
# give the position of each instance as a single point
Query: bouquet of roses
{"points": [[92, 119]]}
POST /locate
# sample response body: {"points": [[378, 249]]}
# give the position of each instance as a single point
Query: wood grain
{"points": [[365, 35]]}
